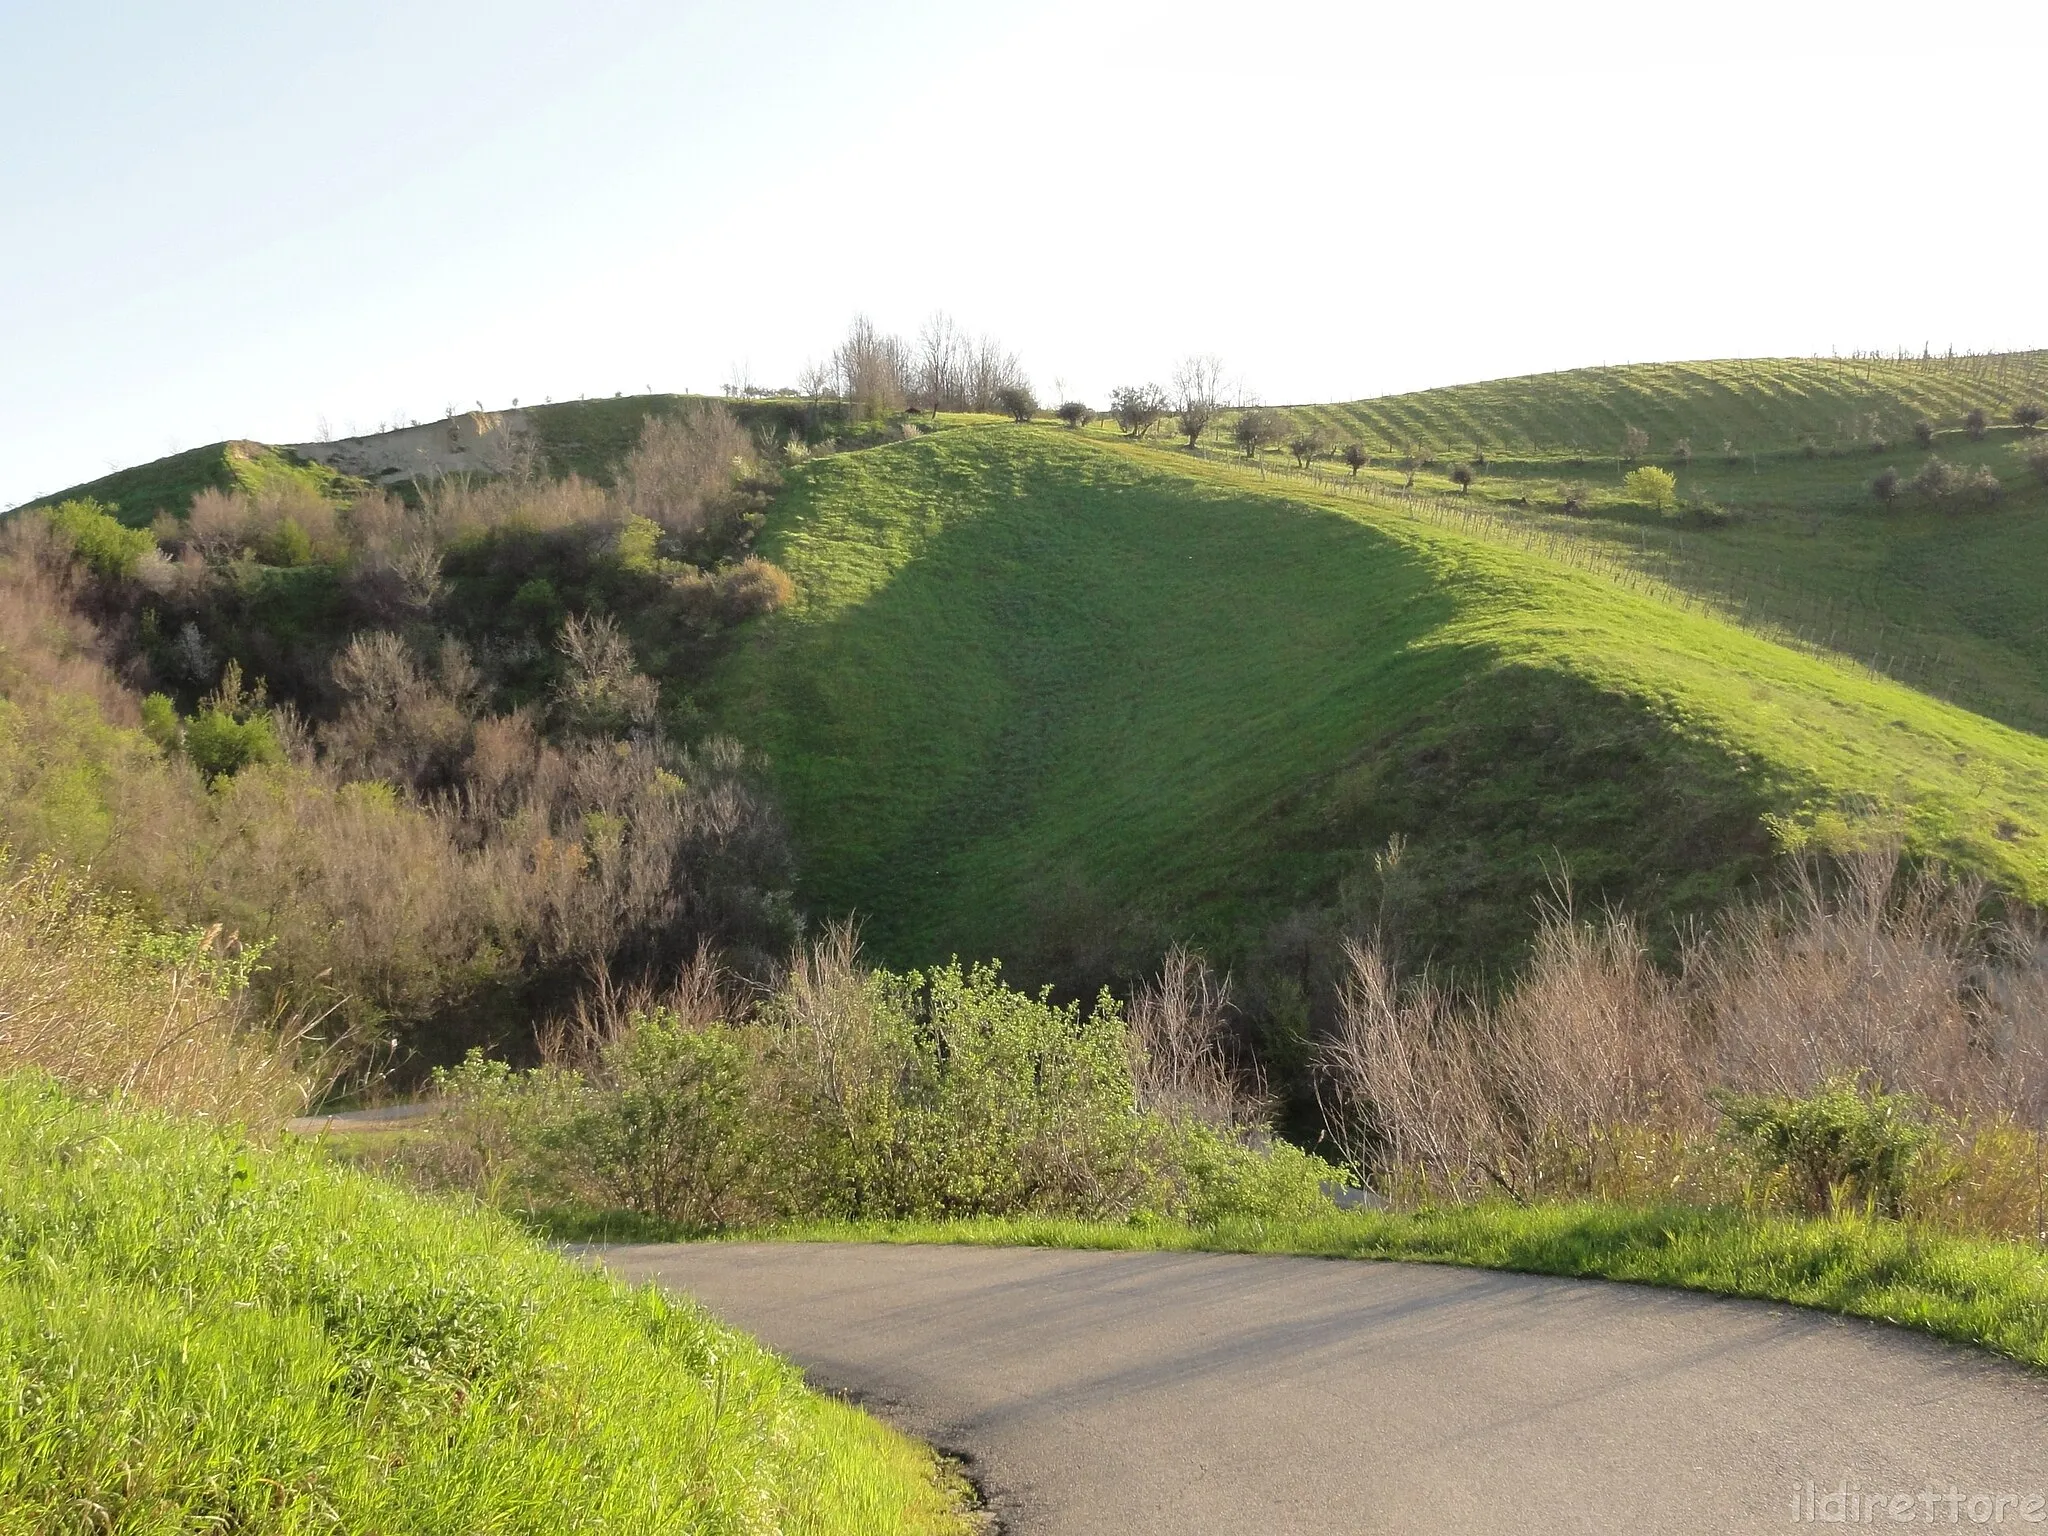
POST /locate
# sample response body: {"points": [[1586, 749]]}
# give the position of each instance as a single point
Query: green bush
{"points": [[862, 1096], [108, 548], [220, 744], [1654, 488], [1846, 1142]]}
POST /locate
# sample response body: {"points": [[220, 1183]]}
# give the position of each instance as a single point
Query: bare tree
{"points": [[1197, 394], [1635, 442], [873, 369]]}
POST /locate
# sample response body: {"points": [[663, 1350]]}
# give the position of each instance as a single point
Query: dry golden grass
{"points": [[112, 1009]]}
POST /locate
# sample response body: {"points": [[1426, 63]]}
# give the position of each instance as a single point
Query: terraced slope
{"points": [[1755, 403], [1042, 696]]}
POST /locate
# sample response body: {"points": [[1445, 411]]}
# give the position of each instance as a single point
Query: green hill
{"points": [[1782, 527], [138, 495], [1050, 697]]}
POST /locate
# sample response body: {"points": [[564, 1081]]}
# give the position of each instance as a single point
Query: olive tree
{"points": [[1137, 408], [1256, 430]]}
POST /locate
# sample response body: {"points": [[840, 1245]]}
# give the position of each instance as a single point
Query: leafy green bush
{"points": [[220, 745], [1846, 1142], [861, 1095], [1654, 488], [107, 548]]}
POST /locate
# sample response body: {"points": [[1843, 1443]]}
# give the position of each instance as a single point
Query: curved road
{"points": [[1210, 1395]]}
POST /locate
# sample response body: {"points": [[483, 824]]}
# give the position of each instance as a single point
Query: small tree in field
{"points": [[2037, 461], [1256, 430], [1923, 432], [1137, 408], [1307, 446], [1886, 487], [1976, 424], [1016, 402], [1355, 455], [1655, 488], [1635, 442], [1462, 477], [2028, 417], [1075, 414], [1681, 452]]}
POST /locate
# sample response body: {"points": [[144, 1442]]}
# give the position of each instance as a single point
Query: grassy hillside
{"points": [[1942, 597], [168, 485], [1042, 696], [199, 1334], [1755, 403]]}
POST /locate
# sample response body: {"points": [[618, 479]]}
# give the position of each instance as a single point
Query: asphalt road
{"points": [[1207, 1395]]}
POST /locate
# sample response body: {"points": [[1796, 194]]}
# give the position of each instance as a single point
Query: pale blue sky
{"points": [[240, 219]]}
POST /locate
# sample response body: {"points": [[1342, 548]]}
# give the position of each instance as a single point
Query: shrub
{"points": [[1681, 452], [2037, 461], [1809, 447], [1635, 442], [2028, 416], [1977, 423], [1923, 433], [1575, 497], [864, 1095], [221, 743], [1652, 487], [1886, 487], [1462, 477], [1846, 1143], [1016, 402], [1075, 414], [1355, 456], [286, 544], [1730, 454], [107, 548]]}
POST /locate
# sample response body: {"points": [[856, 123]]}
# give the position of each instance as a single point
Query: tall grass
{"points": [[199, 1334], [110, 1007], [1869, 990]]}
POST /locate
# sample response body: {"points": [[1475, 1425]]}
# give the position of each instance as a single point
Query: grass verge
{"points": [[1966, 1290], [199, 1333]]}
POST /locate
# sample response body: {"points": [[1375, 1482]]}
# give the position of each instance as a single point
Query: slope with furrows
{"points": [[1753, 403]]}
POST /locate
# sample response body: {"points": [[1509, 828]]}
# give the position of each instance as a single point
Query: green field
{"points": [[1044, 696]]}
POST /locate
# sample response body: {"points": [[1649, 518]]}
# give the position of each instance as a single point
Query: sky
{"points": [[267, 220]]}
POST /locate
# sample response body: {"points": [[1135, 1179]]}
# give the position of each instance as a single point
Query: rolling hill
{"points": [[1062, 697], [1052, 697], [1765, 404]]}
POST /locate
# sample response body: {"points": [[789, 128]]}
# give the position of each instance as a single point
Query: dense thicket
{"points": [[415, 745]]}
